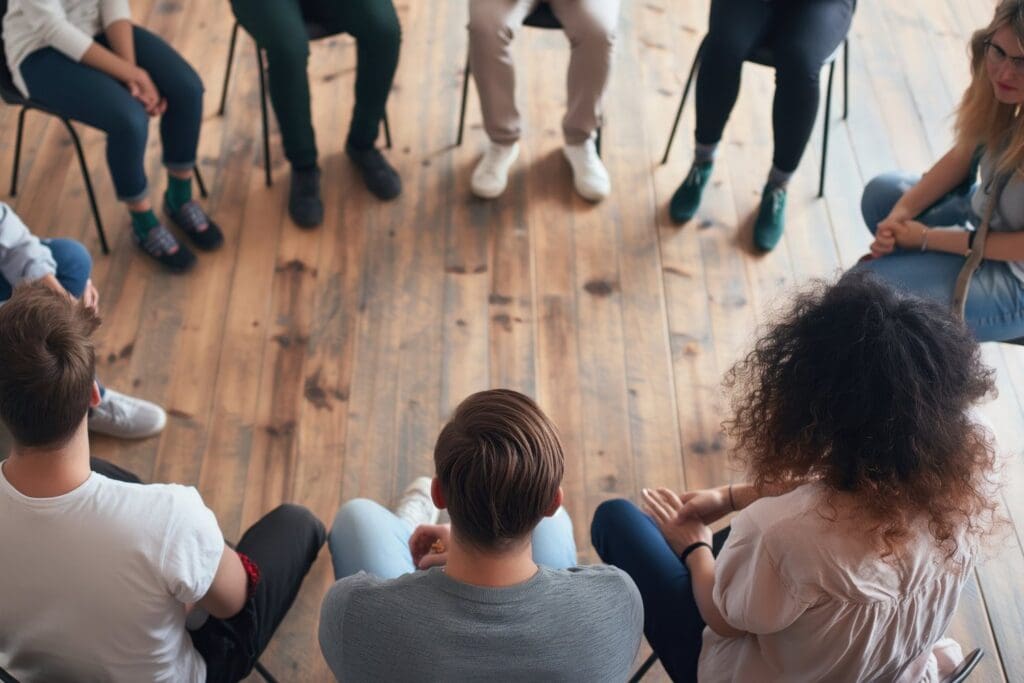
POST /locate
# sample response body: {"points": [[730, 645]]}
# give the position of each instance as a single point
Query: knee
{"points": [[73, 259], [606, 519], [352, 514], [880, 195], [593, 33], [186, 90], [381, 31], [286, 52], [489, 29], [797, 68], [302, 521]]}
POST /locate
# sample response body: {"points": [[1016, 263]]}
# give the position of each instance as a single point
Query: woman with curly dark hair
{"points": [[872, 483]]}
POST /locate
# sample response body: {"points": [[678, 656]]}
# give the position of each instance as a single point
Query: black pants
{"points": [[284, 545], [802, 34]]}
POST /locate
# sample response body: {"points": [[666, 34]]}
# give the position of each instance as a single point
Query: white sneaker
{"points": [[588, 172], [126, 417], [416, 506], [490, 177]]}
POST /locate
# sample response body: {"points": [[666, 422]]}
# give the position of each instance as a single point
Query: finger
{"points": [[688, 496], [655, 507], [433, 560], [670, 498]]}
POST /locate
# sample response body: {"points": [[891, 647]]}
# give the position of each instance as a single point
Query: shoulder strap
{"points": [[963, 279]]}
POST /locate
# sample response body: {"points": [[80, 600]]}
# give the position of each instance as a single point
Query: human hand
{"points": [[142, 88], [707, 505], [91, 297], [884, 243], [909, 234], [429, 545], [664, 506]]}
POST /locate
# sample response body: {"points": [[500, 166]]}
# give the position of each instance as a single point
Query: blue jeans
{"points": [[368, 537], [995, 301], [627, 538], [79, 92]]}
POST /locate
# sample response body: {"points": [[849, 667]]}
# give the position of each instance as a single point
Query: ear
{"points": [[556, 503], [436, 495], [95, 398]]}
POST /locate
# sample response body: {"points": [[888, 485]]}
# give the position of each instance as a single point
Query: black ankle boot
{"points": [[380, 178], [304, 203]]}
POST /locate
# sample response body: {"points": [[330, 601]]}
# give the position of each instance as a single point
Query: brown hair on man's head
{"points": [[47, 365], [499, 464]]}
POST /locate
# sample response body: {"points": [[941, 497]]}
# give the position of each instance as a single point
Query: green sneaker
{"points": [[770, 218], [687, 198]]}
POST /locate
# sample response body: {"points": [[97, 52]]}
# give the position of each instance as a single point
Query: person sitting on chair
{"points": [[64, 266], [85, 60], [496, 594], [100, 571], [590, 27], [924, 226], [279, 28], [873, 481], [802, 34]]}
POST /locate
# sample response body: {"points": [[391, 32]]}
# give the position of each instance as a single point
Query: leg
{"points": [[84, 94], [805, 34], [112, 471], [74, 265], [277, 26], [368, 537], [882, 192], [735, 28], [553, 544], [627, 538], [283, 544], [492, 25], [590, 26]]}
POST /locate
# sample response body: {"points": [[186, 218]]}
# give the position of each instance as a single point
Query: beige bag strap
{"points": [[963, 279]]}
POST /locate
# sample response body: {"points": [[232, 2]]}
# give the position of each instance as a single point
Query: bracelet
{"points": [[924, 239], [690, 548], [732, 502]]}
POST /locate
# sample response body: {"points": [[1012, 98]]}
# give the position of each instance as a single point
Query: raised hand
{"points": [[664, 507]]}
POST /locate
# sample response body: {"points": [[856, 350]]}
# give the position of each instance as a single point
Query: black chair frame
{"points": [[762, 57], [315, 33], [541, 17]]}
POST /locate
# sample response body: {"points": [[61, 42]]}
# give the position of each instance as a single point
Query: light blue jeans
{"points": [[368, 537], [995, 301]]}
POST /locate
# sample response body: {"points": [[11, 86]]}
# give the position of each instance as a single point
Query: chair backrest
{"points": [[9, 93], [960, 674], [542, 17]]}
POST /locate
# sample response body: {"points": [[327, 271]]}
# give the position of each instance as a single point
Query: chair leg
{"points": [[263, 114], [17, 151], [682, 103], [88, 186], [644, 668], [846, 78], [387, 131], [227, 69], [825, 128], [199, 181], [262, 671], [462, 107]]}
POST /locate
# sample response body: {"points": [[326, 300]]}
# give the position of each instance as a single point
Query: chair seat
{"points": [[542, 17], [317, 30]]}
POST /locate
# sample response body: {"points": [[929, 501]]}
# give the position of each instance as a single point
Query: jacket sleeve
{"points": [[50, 23], [22, 256]]}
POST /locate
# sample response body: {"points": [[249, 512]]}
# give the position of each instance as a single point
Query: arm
{"points": [[999, 246], [710, 505], [229, 590], [122, 42], [701, 564], [22, 256], [947, 173]]}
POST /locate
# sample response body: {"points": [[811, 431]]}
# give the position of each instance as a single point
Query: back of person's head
{"points": [[868, 390], [47, 365], [499, 463]]}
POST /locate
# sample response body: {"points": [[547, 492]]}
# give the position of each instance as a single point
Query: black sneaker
{"points": [[161, 245], [194, 222], [380, 178], [304, 203]]}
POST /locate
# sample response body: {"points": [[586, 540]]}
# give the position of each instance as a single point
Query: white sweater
{"points": [[67, 26]]}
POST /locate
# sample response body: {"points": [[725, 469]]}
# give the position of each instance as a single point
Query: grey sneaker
{"points": [[416, 506], [126, 417]]}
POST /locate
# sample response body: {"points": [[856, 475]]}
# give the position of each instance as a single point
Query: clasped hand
{"points": [[142, 88], [897, 231], [683, 520]]}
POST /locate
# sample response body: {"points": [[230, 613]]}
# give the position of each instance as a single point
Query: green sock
{"points": [[143, 222], [179, 191]]}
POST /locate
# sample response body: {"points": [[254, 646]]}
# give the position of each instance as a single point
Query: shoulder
{"points": [[600, 584]]}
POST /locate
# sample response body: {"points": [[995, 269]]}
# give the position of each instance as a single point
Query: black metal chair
{"points": [[763, 56], [10, 94], [541, 17], [316, 31]]}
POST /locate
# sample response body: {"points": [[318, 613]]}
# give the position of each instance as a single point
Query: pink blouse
{"points": [[818, 603]]}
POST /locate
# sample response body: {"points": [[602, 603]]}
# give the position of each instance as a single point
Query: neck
{"points": [[49, 472], [490, 569]]}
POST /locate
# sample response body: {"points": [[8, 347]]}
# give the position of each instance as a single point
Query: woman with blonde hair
{"points": [[925, 226]]}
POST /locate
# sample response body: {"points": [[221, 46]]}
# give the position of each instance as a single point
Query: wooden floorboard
{"points": [[317, 366]]}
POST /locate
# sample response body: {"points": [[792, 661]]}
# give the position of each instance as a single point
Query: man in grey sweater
{"points": [[495, 595], [65, 266]]}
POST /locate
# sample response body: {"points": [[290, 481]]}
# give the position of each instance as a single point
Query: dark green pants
{"points": [[278, 26]]}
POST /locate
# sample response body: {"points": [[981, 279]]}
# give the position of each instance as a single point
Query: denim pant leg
{"points": [[74, 264], [882, 193], [553, 544], [366, 536]]}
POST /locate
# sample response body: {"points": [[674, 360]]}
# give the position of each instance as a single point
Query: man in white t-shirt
{"points": [[101, 571]]}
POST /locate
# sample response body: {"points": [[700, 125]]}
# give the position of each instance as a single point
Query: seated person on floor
{"points": [[64, 266], [100, 571], [495, 594], [872, 485]]}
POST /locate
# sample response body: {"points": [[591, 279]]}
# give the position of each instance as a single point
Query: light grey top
{"points": [[22, 256], [579, 624], [1009, 213]]}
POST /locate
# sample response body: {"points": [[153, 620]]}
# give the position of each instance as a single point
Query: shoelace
{"points": [[160, 241]]}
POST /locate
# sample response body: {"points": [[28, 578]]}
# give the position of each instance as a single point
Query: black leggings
{"points": [[802, 34], [283, 544]]}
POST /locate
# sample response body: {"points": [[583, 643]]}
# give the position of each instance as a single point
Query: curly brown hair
{"points": [[868, 391]]}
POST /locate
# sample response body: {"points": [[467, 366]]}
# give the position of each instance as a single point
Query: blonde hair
{"points": [[981, 119]]}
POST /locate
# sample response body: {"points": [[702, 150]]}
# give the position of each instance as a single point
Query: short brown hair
{"points": [[500, 463], [47, 365]]}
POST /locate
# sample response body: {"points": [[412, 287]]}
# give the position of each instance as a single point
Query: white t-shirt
{"points": [[93, 582]]}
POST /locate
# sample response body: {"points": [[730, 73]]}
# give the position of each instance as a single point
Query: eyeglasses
{"points": [[997, 55]]}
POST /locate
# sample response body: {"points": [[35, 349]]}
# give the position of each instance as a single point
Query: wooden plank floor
{"points": [[315, 366]]}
